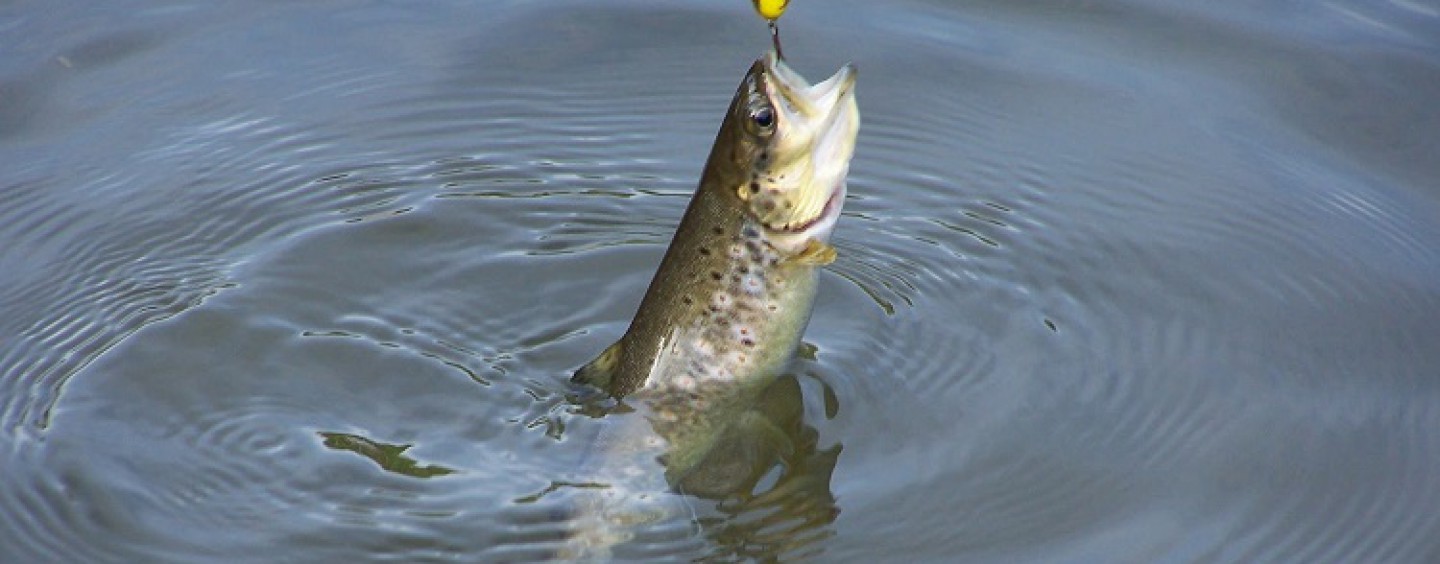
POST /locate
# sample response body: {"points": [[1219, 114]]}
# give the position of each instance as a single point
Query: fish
{"points": [[725, 311]]}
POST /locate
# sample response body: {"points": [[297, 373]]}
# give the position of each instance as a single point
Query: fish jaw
{"points": [[819, 229], [797, 175]]}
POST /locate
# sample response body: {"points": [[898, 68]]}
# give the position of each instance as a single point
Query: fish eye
{"points": [[763, 117]]}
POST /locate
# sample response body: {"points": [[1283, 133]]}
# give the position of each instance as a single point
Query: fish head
{"points": [[793, 146]]}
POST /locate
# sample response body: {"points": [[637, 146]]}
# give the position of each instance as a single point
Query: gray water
{"points": [[1118, 281]]}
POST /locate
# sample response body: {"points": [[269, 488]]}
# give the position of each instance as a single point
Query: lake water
{"points": [[1118, 281]]}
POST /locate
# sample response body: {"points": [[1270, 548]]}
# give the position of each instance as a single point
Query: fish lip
{"points": [[824, 99]]}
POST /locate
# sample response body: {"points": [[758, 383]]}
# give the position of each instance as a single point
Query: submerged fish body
{"points": [[727, 307]]}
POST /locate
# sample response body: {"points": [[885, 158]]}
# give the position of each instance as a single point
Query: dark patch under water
{"points": [[1118, 281]]}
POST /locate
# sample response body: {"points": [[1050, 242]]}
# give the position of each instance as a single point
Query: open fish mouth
{"points": [[816, 137], [825, 101]]}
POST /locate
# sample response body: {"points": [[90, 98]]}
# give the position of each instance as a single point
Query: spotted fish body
{"points": [[733, 294]]}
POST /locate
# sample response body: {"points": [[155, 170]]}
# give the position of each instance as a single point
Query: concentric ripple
{"points": [[1103, 329], [1121, 282]]}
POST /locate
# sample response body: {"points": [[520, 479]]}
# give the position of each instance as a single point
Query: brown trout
{"points": [[725, 311]]}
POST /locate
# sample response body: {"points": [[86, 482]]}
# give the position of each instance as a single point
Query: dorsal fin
{"points": [[600, 372]]}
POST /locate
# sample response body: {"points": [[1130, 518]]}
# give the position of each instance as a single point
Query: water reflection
{"points": [[759, 490], [1131, 281], [390, 457], [786, 516]]}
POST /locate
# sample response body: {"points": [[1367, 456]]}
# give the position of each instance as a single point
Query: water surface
{"points": [[1119, 281]]}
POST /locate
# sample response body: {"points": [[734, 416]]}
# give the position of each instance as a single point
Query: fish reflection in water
{"points": [[761, 491]]}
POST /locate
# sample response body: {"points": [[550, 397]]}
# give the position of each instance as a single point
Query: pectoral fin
{"points": [[815, 253], [600, 372]]}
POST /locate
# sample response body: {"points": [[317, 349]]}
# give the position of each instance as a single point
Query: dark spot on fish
{"points": [[789, 204], [713, 309], [704, 251], [716, 274], [764, 156], [744, 269], [754, 187], [747, 342], [773, 308], [688, 300], [719, 230]]}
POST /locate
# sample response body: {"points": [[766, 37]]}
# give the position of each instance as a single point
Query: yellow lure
{"points": [[770, 9]]}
